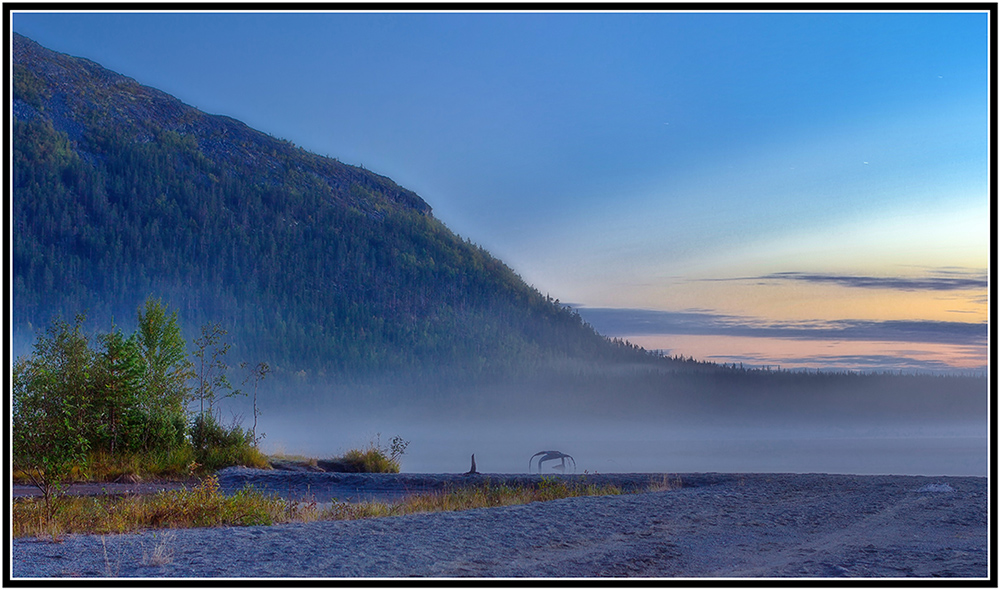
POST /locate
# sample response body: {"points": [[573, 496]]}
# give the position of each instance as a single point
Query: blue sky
{"points": [[778, 170]]}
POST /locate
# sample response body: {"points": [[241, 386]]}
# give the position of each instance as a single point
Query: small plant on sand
{"points": [[665, 484], [162, 553], [396, 449], [109, 571]]}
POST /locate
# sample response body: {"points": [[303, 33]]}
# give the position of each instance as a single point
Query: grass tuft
{"points": [[202, 506], [370, 460], [665, 484], [375, 458], [485, 495]]}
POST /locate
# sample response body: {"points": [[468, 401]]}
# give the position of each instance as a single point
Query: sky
{"points": [[802, 189]]}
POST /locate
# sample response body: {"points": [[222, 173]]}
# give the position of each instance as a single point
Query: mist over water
{"points": [[913, 431], [621, 448]]}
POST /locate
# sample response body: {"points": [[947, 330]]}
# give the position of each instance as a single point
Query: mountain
{"points": [[334, 273], [121, 192]]}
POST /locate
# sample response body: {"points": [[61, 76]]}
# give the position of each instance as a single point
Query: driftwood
{"points": [[552, 456]]}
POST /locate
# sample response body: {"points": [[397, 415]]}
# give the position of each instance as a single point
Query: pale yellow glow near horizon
{"points": [[901, 245], [786, 300]]}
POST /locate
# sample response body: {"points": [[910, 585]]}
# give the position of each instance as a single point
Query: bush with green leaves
{"points": [[50, 407]]}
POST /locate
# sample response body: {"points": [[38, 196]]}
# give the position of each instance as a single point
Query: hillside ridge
{"points": [[122, 192], [148, 111]]}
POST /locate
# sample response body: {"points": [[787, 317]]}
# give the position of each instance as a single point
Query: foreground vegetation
{"points": [[205, 506], [125, 408]]}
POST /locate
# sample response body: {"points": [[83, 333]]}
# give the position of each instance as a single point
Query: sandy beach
{"points": [[704, 526]]}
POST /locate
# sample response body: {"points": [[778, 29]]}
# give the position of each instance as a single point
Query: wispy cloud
{"points": [[942, 279], [932, 283], [634, 322]]}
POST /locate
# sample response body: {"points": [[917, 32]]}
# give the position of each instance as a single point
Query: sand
{"points": [[706, 526]]}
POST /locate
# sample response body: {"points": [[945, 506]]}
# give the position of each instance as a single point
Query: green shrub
{"points": [[217, 446], [374, 459], [158, 432], [371, 460]]}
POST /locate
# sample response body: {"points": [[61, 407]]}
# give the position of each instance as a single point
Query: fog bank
{"points": [[668, 424]]}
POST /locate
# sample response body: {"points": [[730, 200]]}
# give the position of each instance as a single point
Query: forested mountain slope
{"points": [[121, 191]]}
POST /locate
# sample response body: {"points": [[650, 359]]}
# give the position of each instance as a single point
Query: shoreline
{"points": [[302, 484], [715, 526]]}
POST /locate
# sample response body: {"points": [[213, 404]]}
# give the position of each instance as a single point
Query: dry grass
{"points": [[485, 495], [103, 466], [204, 506], [199, 507], [370, 460], [175, 464], [161, 553], [375, 458], [665, 484]]}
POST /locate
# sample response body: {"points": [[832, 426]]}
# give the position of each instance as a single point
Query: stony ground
{"points": [[713, 525]]}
